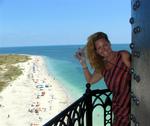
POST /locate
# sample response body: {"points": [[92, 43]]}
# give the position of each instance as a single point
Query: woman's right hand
{"points": [[80, 55]]}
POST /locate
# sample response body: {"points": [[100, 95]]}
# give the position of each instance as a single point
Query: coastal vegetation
{"points": [[9, 70]]}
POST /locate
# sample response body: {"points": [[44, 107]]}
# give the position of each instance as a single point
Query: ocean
{"points": [[62, 64]]}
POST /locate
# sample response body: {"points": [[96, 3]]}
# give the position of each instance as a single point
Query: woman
{"points": [[114, 67]]}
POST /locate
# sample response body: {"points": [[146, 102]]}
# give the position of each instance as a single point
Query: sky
{"points": [[62, 22]]}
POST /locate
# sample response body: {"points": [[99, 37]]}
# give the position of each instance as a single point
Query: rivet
{"points": [[137, 102], [132, 45], [137, 78], [132, 70], [131, 20], [137, 29], [133, 119], [136, 123], [136, 54], [136, 5], [134, 98], [132, 94], [131, 116]]}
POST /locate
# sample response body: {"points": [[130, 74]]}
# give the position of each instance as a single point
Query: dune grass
{"points": [[8, 69], [12, 59]]}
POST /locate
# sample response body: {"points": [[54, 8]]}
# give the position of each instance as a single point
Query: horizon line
{"points": [[54, 45]]}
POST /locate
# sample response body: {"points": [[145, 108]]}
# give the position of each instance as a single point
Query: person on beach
{"points": [[114, 67]]}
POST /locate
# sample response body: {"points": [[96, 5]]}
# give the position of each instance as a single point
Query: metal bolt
{"points": [[132, 70], [132, 94], [136, 5], [131, 116], [137, 78], [134, 98], [132, 45], [137, 29], [136, 123], [131, 20], [137, 102], [136, 54]]}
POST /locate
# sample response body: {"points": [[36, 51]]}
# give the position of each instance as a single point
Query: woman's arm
{"points": [[92, 78], [126, 57]]}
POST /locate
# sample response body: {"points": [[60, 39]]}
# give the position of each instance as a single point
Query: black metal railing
{"points": [[80, 113]]}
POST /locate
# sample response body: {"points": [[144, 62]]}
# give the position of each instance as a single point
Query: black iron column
{"points": [[88, 105]]}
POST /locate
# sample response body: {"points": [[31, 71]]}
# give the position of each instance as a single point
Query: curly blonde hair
{"points": [[95, 60]]}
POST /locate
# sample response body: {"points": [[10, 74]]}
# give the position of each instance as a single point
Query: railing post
{"points": [[108, 112], [88, 105]]}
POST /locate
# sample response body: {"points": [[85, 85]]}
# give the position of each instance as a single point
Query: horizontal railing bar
{"points": [[60, 115], [71, 107], [98, 91]]}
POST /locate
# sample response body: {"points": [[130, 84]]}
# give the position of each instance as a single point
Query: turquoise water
{"points": [[62, 64]]}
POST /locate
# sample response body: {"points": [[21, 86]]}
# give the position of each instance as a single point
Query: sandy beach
{"points": [[33, 98]]}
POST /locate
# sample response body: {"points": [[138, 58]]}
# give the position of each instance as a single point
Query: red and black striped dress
{"points": [[118, 80]]}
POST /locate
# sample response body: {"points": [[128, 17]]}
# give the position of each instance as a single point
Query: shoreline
{"points": [[34, 97]]}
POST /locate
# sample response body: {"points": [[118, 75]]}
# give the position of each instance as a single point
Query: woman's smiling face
{"points": [[103, 47]]}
